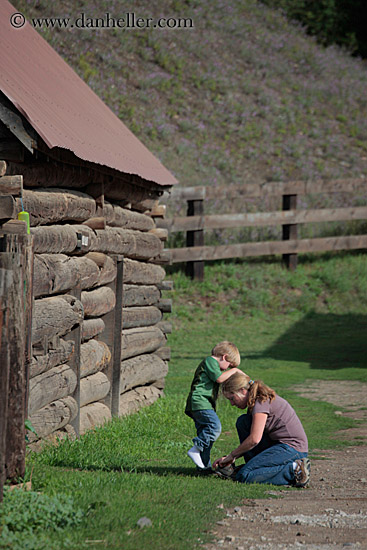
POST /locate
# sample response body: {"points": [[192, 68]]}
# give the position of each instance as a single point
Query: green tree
{"points": [[339, 22]]}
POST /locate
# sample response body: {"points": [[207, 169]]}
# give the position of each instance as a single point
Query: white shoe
{"points": [[194, 454]]}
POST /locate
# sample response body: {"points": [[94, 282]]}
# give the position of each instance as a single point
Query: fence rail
{"points": [[261, 219], [243, 250], [276, 188], [196, 222]]}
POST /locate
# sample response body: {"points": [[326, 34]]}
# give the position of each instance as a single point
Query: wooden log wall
{"points": [[78, 378]]}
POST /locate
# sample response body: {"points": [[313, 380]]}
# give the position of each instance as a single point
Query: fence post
{"points": [[195, 270], [290, 231]]}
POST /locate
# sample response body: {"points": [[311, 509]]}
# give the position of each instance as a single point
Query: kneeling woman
{"points": [[272, 439]]}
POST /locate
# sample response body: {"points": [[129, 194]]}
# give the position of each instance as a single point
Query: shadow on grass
{"points": [[155, 470], [166, 471], [326, 341]]}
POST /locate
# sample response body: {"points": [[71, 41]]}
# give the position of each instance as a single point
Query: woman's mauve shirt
{"points": [[282, 423]]}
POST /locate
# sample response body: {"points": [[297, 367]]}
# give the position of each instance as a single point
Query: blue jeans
{"points": [[268, 462], [208, 429]]}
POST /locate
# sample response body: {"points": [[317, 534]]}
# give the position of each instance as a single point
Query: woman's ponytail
{"points": [[258, 391]]}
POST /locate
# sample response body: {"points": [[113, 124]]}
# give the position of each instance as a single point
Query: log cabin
{"points": [[87, 191]]}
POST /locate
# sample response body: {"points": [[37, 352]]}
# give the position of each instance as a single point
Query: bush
{"points": [[331, 21], [24, 513]]}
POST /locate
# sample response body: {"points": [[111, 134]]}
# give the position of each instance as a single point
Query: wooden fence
{"points": [[196, 222]]}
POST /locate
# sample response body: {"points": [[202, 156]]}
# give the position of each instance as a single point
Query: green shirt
{"points": [[204, 388]]}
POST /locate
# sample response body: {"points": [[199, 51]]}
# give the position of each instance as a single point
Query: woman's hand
{"points": [[217, 462], [224, 461]]}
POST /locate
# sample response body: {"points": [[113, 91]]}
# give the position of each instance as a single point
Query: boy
{"points": [[201, 402]]}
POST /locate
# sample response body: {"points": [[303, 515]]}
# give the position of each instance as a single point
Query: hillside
{"points": [[243, 96]]}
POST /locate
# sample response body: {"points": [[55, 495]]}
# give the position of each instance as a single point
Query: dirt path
{"points": [[329, 515]]}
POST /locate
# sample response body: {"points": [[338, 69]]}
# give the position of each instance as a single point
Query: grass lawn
{"points": [[290, 328]]}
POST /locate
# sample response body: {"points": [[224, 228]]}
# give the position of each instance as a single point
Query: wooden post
{"points": [[195, 270], [112, 336], [6, 281], [28, 296], [15, 318], [115, 390], [290, 231], [74, 362]]}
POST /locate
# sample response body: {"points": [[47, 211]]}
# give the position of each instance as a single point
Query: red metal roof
{"points": [[62, 109]]}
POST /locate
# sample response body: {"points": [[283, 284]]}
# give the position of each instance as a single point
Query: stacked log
{"points": [[54, 357], [142, 370], [55, 316], [78, 241], [142, 396], [94, 357], [141, 340], [98, 302], [53, 417], [53, 384], [47, 206]]}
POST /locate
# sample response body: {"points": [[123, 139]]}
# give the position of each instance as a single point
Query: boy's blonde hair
{"points": [[228, 349]]}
